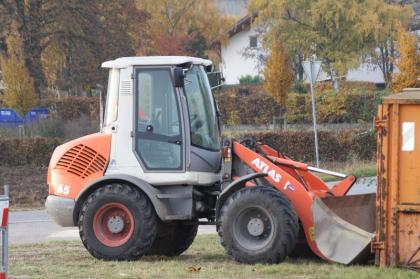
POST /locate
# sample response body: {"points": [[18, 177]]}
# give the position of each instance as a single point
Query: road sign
{"points": [[312, 69]]}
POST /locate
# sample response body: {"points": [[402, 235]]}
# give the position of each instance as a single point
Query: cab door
{"points": [[159, 142]]}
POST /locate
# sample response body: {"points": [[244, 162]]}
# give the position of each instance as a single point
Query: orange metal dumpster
{"points": [[397, 239]]}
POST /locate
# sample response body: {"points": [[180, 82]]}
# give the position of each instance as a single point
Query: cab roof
{"points": [[124, 62]]}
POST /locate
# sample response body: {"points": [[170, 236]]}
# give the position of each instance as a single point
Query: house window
{"points": [[253, 41]]}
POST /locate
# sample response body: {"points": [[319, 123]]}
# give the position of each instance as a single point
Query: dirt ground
{"points": [[28, 186]]}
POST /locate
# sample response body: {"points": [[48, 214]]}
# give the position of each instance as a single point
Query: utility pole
{"points": [[312, 69]]}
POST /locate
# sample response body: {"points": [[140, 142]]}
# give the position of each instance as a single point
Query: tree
{"points": [[64, 41], [123, 28], [383, 21], [76, 46], [19, 92], [25, 18], [336, 31], [184, 27], [409, 64], [278, 74]]}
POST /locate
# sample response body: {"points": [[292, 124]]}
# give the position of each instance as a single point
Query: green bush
{"points": [[339, 146], [299, 87], [248, 79]]}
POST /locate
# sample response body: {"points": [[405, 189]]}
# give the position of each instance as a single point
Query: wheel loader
{"points": [[158, 168]]}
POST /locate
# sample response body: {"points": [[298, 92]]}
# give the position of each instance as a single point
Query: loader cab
{"points": [[166, 105]]}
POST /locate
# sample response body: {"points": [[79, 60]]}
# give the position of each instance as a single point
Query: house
{"points": [[232, 7], [243, 54], [240, 55]]}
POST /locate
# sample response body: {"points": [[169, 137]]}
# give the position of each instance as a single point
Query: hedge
{"points": [[339, 146], [335, 107], [246, 105], [251, 105], [71, 108], [35, 151]]}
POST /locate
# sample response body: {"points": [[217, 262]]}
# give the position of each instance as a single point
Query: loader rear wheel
{"points": [[117, 222], [258, 225], [174, 238]]}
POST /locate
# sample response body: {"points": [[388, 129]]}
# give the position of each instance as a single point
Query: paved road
{"points": [[36, 226]]}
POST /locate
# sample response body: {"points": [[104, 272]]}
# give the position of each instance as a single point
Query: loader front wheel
{"points": [[117, 222], [258, 225]]}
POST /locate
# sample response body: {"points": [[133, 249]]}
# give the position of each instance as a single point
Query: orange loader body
{"points": [[157, 170], [77, 163]]}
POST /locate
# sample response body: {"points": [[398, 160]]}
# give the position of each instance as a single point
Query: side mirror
{"points": [[179, 77], [209, 68], [216, 79]]}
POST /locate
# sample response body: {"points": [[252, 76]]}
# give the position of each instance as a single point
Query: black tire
{"points": [[174, 238], [143, 231], [258, 225]]}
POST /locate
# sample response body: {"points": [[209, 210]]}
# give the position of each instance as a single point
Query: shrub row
{"points": [[250, 105], [35, 151], [339, 146], [335, 107], [246, 105], [345, 85], [71, 108]]}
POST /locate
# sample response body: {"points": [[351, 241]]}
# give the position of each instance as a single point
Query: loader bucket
{"points": [[344, 226]]}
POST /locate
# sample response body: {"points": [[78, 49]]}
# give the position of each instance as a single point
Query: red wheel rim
{"points": [[113, 224]]}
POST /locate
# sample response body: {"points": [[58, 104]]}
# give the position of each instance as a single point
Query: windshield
{"points": [[202, 110]]}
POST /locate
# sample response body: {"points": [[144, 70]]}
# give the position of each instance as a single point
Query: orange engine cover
{"points": [[77, 163]]}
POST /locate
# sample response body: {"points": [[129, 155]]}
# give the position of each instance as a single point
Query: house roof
{"points": [[242, 24], [124, 62]]}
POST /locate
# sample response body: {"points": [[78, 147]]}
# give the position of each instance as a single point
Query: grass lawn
{"points": [[205, 259], [357, 168]]}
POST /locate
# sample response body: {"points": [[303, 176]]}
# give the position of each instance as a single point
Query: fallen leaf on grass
{"points": [[194, 269]]}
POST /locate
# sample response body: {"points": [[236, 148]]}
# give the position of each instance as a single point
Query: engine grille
{"points": [[82, 161]]}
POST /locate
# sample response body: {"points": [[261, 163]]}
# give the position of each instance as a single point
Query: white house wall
{"points": [[366, 72], [234, 64]]}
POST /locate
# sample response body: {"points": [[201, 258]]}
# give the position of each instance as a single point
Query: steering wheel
{"points": [[196, 124]]}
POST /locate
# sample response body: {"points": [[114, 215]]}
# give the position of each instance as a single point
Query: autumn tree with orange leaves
{"points": [[409, 64], [278, 74], [19, 92], [185, 27]]}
